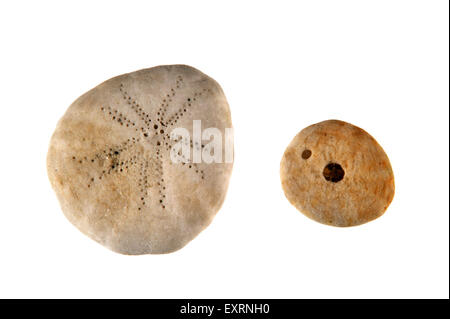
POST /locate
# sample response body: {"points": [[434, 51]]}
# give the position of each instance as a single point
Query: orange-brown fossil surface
{"points": [[337, 174]]}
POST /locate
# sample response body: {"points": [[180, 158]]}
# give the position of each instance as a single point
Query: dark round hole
{"points": [[306, 154], [333, 172]]}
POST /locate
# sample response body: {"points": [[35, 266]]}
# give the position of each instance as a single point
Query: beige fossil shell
{"points": [[337, 174], [109, 160]]}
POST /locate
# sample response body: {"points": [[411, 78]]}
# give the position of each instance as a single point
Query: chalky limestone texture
{"points": [[337, 174], [109, 160]]}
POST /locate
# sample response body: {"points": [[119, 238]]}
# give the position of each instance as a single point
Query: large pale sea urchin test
{"points": [[109, 160], [337, 174]]}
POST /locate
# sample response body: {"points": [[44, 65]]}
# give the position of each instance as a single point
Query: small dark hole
{"points": [[306, 154], [333, 172]]}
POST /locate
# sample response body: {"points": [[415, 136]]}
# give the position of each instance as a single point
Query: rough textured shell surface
{"points": [[109, 160], [366, 189]]}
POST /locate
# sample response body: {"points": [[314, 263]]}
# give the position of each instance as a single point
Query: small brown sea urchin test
{"points": [[337, 174], [109, 160]]}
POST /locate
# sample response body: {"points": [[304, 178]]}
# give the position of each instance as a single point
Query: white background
{"points": [[381, 65]]}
